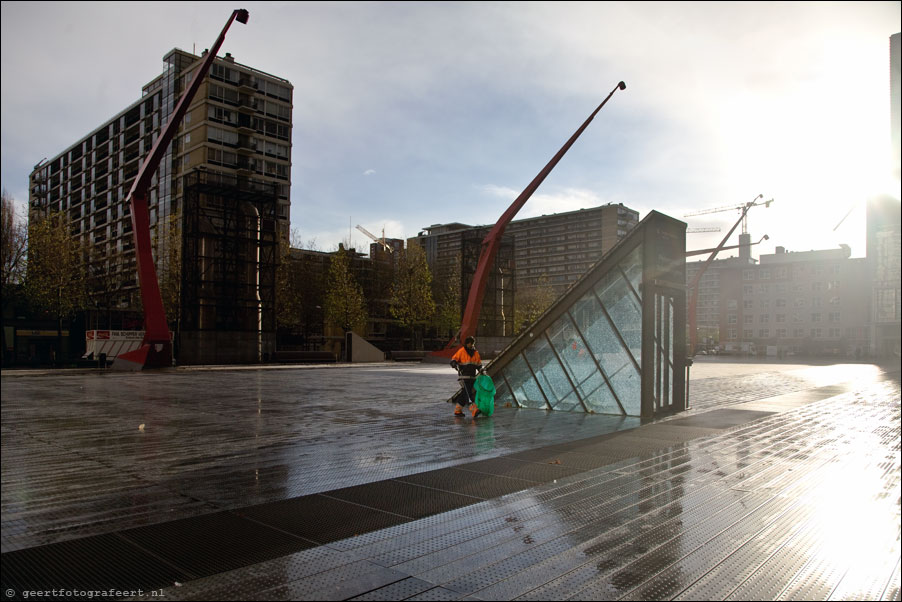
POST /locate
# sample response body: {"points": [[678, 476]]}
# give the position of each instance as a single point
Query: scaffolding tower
{"points": [[230, 246], [497, 316]]}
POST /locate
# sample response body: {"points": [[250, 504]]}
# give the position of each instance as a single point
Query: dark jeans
{"points": [[467, 384]]}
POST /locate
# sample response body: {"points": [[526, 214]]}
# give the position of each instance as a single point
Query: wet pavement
{"points": [[782, 482]]}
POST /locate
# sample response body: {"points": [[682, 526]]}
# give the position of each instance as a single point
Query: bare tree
{"points": [[15, 247]]}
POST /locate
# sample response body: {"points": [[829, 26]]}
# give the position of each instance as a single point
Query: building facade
{"points": [[884, 224], [551, 251], [229, 166], [808, 303]]}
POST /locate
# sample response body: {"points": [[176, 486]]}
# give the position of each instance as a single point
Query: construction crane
{"points": [[156, 347], [743, 208], [381, 241], [693, 288], [699, 230]]}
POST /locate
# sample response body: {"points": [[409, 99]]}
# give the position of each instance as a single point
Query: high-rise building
{"points": [[219, 203], [895, 102], [885, 257]]}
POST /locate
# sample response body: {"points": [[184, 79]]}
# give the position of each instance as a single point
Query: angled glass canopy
{"points": [[615, 342]]}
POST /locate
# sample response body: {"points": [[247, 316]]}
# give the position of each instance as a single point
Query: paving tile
{"points": [[296, 484]]}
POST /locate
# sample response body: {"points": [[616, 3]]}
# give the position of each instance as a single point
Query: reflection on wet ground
{"points": [[780, 483]]}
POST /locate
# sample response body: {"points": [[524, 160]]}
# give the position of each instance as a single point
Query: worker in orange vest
{"points": [[467, 363]]}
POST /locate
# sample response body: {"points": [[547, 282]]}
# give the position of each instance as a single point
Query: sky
{"points": [[410, 114]]}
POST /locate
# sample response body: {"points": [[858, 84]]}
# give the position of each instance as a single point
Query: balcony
{"points": [[247, 145]]}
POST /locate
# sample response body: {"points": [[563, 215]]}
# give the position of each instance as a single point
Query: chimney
{"points": [[781, 250], [229, 57]]}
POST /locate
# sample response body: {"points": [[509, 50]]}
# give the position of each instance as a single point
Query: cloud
{"points": [[369, 172]]}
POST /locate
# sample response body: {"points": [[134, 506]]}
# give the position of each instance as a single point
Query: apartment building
{"points": [[221, 193], [547, 251], [810, 303]]}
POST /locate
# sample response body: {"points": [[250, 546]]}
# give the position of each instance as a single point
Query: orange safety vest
{"points": [[462, 357]]}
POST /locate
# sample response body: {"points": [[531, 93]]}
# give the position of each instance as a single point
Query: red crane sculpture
{"points": [[156, 347], [493, 240]]}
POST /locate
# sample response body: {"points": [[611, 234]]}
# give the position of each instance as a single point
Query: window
{"points": [[781, 333], [833, 316], [218, 135], [747, 304], [731, 318], [764, 333], [747, 289], [732, 304], [748, 275], [834, 333], [764, 318], [781, 303], [748, 319], [764, 275], [765, 303], [731, 333], [748, 333], [763, 289], [222, 115], [816, 317], [781, 318]]}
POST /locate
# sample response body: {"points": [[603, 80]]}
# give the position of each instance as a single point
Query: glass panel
{"points": [[670, 351], [624, 310], [548, 371], [632, 267], [607, 350], [597, 396], [571, 348], [526, 390], [503, 394]]}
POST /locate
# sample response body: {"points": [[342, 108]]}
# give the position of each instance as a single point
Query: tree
{"points": [[532, 303], [15, 247], [411, 299], [168, 254], [56, 279], [289, 289], [447, 291], [345, 305], [105, 282]]}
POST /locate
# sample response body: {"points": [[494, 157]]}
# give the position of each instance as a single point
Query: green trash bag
{"points": [[485, 394]]}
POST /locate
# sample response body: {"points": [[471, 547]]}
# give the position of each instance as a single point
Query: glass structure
{"points": [[615, 342]]}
